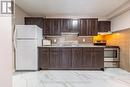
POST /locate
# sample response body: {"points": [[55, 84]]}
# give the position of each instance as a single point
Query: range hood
{"points": [[70, 33], [104, 33]]}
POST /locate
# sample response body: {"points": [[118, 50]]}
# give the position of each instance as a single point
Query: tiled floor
{"points": [[109, 78]]}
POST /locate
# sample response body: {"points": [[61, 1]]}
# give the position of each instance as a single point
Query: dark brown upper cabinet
{"points": [[75, 25], [70, 25], [52, 27], [34, 21], [57, 26], [104, 26], [66, 25], [85, 27], [88, 27]]}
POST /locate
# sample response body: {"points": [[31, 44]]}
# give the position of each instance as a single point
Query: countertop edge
{"points": [[71, 46]]}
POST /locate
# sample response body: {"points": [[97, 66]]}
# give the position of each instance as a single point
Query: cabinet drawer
{"points": [[43, 49], [54, 49], [87, 49], [111, 64]]}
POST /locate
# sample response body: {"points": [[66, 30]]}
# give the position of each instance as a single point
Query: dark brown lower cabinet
{"points": [[77, 59], [66, 59], [43, 60], [62, 58], [87, 58], [93, 58], [55, 58], [98, 58]]}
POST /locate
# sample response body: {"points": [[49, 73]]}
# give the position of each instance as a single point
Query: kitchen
{"points": [[65, 47]]}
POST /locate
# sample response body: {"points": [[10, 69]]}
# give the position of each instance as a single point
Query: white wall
{"points": [[19, 15], [5, 52], [121, 22]]}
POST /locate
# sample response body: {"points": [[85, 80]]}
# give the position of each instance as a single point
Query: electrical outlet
{"points": [[84, 40], [55, 40]]}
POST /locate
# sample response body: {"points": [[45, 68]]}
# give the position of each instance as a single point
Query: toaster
{"points": [[46, 42]]}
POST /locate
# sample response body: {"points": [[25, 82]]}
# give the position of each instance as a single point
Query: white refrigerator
{"points": [[27, 39]]}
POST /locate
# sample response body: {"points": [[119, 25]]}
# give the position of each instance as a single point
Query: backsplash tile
{"points": [[85, 39], [67, 38]]}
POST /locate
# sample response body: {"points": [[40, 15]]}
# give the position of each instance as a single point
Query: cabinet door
{"points": [[34, 21], [55, 58], [77, 58], [87, 58], [88, 27], [98, 58], [75, 25], [104, 26], [46, 30], [66, 58], [92, 27], [83, 27], [57, 26], [66, 25], [52, 27], [43, 59]]}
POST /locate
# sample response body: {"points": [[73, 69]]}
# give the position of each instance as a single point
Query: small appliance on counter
{"points": [[46, 42]]}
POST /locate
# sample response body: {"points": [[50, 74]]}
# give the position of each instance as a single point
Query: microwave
{"points": [[112, 54]]}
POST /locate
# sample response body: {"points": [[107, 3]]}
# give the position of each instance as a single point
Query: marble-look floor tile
{"points": [[113, 77]]}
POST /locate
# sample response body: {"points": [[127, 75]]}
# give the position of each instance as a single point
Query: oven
{"points": [[111, 54], [111, 57]]}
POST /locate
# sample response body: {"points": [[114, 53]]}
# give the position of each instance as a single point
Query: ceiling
{"points": [[92, 8]]}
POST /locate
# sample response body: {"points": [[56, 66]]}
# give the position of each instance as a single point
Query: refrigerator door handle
{"points": [[14, 38]]}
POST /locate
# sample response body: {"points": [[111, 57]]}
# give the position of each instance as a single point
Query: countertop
{"points": [[79, 45]]}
